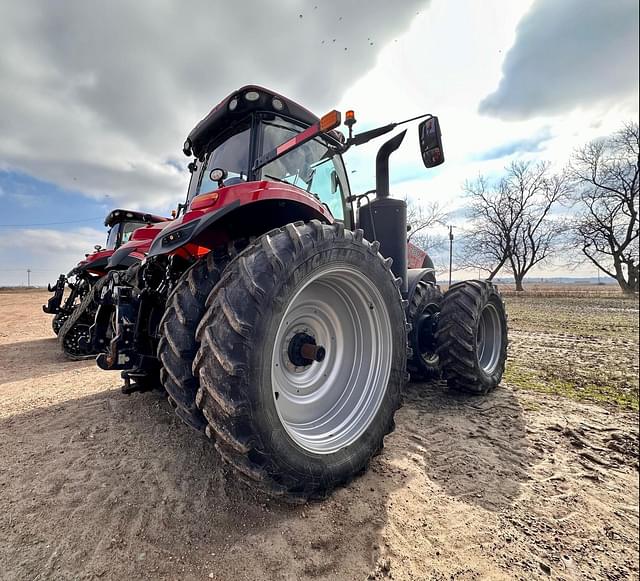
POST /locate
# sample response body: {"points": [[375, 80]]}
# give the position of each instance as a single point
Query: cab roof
{"points": [[119, 215], [235, 107]]}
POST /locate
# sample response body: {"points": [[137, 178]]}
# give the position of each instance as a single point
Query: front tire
{"points": [[299, 427], [472, 337]]}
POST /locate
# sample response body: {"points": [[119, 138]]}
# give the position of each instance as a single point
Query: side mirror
{"points": [[431, 142], [334, 181]]}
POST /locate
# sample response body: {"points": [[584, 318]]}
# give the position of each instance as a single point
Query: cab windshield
{"points": [[313, 166], [121, 233], [112, 237]]}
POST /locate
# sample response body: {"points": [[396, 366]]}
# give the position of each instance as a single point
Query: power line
{"points": [[32, 270], [49, 223]]}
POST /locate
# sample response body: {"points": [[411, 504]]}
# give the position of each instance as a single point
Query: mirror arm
{"points": [[367, 136], [423, 116]]}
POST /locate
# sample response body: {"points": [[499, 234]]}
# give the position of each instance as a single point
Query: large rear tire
{"points": [[424, 306], [302, 359], [472, 337], [178, 345]]}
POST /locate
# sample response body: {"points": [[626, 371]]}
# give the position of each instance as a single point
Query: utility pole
{"points": [[450, 252], [28, 277]]}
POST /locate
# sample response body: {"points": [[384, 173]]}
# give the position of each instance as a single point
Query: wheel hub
{"points": [[303, 350], [331, 359], [427, 326]]}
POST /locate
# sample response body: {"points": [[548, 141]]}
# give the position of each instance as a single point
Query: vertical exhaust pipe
{"points": [[385, 219], [382, 164]]}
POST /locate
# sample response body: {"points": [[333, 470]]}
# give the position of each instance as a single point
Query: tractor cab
{"points": [[233, 142], [256, 136], [123, 223]]}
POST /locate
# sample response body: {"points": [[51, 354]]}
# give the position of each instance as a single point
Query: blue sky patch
{"points": [[29, 202]]}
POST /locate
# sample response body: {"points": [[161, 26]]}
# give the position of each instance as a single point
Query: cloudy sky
{"points": [[96, 97]]}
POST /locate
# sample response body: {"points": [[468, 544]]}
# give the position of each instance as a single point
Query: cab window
{"points": [[121, 233], [232, 155], [112, 236], [128, 228], [313, 166]]}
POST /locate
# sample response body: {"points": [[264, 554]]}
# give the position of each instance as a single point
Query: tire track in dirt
{"points": [[98, 485]]}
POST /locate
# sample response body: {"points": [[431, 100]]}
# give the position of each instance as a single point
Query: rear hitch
{"points": [[123, 310], [53, 304], [120, 353], [136, 380]]}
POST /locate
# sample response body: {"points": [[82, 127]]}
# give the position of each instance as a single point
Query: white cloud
{"points": [[446, 63], [46, 252], [568, 55], [96, 97]]}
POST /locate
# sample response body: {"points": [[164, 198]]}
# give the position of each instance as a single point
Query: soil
{"points": [[98, 485]]}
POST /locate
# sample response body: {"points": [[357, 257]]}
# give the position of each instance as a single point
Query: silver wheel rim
{"points": [[326, 405], [489, 339]]}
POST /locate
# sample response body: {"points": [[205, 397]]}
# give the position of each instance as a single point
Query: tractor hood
{"points": [[138, 245], [96, 262]]}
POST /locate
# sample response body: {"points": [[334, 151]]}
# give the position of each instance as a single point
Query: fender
{"points": [[236, 211], [416, 275], [184, 233], [416, 256]]}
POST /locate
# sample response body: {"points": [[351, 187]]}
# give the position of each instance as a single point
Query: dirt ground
{"points": [[519, 485]]}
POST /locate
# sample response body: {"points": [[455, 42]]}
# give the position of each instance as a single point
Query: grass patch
{"points": [[582, 348], [532, 380]]}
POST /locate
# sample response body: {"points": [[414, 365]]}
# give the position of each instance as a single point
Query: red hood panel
{"points": [[96, 256]]}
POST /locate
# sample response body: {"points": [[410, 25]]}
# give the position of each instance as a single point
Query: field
{"points": [[538, 480]]}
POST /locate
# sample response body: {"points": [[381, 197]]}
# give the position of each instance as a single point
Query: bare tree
{"points": [[511, 221], [605, 173], [487, 242], [423, 219]]}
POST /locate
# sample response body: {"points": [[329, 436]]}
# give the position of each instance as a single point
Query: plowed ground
{"points": [[518, 485]]}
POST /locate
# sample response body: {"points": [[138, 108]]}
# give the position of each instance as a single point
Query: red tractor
{"points": [[279, 309], [82, 278]]}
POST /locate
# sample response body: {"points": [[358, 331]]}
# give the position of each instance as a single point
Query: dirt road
{"points": [[98, 485]]}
